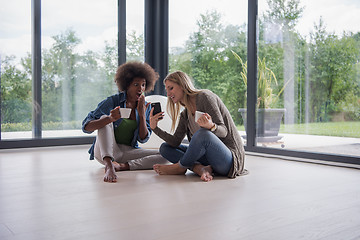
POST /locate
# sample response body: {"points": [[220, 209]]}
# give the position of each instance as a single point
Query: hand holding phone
{"points": [[157, 108]]}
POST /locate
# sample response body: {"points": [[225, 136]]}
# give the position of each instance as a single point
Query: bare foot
{"points": [[121, 166], [110, 175], [173, 169], [205, 172]]}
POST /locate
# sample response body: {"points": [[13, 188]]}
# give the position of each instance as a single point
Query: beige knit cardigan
{"points": [[208, 102]]}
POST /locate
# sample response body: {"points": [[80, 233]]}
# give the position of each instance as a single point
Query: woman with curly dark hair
{"points": [[116, 144]]}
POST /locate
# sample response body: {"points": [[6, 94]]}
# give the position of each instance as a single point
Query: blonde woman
{"points": [[215, 146]]}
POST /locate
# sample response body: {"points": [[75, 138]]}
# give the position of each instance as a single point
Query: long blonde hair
{"points": [[185, 82]]}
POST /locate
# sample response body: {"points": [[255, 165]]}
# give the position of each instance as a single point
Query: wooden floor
{"points": [[57, 193]]}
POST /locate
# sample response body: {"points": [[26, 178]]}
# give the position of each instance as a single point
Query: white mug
{"points": [[198, 114], [125, 112]]}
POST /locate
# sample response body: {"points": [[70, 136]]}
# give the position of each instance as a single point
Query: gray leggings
{"points": [[137, 158]]}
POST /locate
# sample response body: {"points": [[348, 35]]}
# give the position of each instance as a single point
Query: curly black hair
{"points": [[126, 73]]}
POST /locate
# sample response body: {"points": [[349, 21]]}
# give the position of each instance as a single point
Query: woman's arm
{"points": [[212, 104], [143, 131], [180, 132], [102, 122]]}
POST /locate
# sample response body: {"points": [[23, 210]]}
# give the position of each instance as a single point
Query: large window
{"points": [[308, 73], [135, 30], [203, 36], [15, 74], [79, 54]]}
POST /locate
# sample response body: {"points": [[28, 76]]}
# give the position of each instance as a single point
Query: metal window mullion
{"points": [[36, 68], [157, 39], [251, 75], [121, 32], [0, 100]]}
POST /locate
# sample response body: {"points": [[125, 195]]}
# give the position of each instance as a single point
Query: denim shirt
{"points": [[105, 107]]}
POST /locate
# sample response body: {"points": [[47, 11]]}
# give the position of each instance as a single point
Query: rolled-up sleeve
{"points": [[103, 108], [88, 119]]}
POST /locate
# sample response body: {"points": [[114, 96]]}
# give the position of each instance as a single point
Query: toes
{"points": [[110, 177], [156, 168], [206, 177], [110, 180]]}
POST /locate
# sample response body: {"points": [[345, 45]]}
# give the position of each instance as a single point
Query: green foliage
{"points": [[206, 59], [72, 83], [333, 78], [284, 12], [15, 93], [26, 126], [338, 129], [16, 127], [266, 79], [334, 129], [135, 47], [110, 59], [180, 60]]}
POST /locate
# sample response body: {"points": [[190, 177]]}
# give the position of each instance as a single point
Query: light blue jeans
{"points": [[204, 148]]}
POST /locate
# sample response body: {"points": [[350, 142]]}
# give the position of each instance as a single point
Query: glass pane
{"points": [[204, 35], [308, 69], [15, 74], [79, 60], [135, 30]]}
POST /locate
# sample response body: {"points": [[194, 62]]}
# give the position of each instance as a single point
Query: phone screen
{"points": [[157, 107]]}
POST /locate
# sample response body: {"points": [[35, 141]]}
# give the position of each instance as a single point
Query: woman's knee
{"points": [[164, 148], [201, 135], [203, 132]]}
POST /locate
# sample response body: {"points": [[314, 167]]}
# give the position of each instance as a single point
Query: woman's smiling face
{"points": [[136, 88], [174, 91]]}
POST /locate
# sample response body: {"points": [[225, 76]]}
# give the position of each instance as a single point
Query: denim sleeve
{"points": [[103, 108]]}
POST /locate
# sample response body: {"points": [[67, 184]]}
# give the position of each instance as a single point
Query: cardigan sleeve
{"points": [[211, 104], [180, 132]]}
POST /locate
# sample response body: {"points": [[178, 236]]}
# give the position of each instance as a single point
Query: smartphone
{"points": [[157, 108]]}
